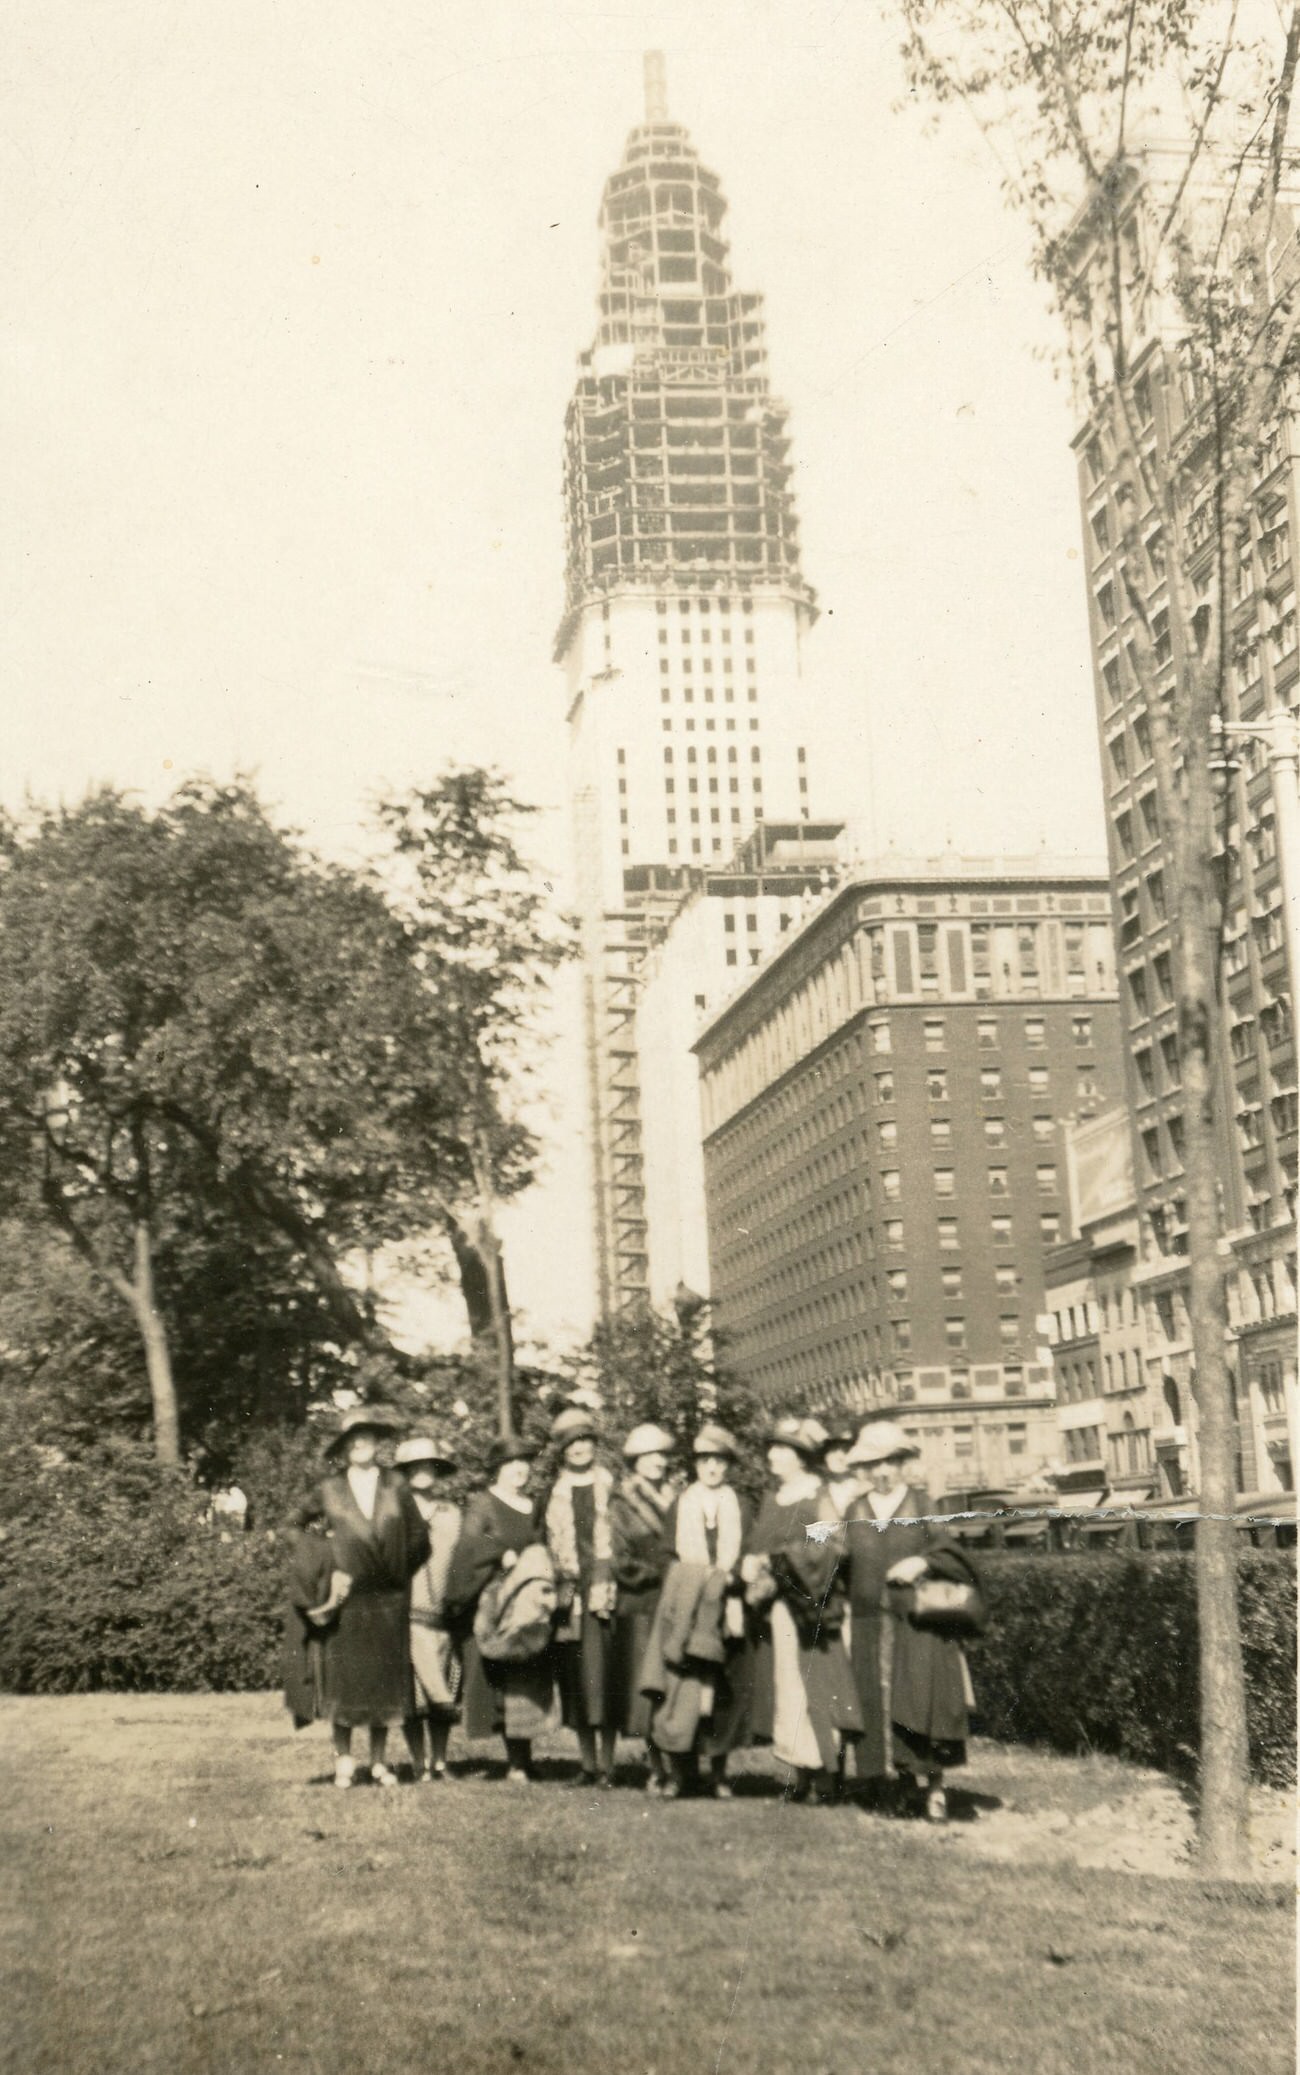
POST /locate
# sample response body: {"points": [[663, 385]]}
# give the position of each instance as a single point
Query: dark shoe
{"points": [[585, 1779]]}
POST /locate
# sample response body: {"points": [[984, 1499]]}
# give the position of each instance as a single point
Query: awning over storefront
{"points": [[1027, 1530], [1266, 1506]]}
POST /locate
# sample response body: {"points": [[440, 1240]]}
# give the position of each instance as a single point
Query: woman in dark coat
{"points": [[639, 1558], [309, 1614], [805, 1702], [581, 1545], [912, 1683], [508, 1699], [378, 1541]]}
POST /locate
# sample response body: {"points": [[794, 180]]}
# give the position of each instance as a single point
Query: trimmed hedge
{"points": [[1093, 1652], [113, 1581]]}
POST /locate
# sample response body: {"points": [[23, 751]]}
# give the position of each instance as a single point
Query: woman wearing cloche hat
{"points": [[913, 1684], [805, 1702], [639, 1558], [582, 1549], [701, 1704], [426, 1463], [378, 1541], [503, 1697]]}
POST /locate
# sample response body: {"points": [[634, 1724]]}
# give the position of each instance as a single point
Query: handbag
{"points": [[943, 1606]]}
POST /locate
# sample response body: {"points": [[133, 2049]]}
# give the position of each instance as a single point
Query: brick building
{"points": [[1257, 1058], [884, 1105]]}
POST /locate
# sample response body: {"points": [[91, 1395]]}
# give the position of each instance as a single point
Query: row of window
{"points": [[706, 635], [945, 1181]]}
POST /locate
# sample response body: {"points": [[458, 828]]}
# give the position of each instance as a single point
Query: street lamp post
{"points": [[1281, 731]]}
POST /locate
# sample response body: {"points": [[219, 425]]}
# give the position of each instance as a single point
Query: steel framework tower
{"points": [[685, 613]]}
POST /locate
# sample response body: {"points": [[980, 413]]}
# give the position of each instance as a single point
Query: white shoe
{"points": [[345, 1772], [383, 1775]]}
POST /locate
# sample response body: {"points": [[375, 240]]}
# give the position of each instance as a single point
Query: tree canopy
{"points": [[230, 1073]]}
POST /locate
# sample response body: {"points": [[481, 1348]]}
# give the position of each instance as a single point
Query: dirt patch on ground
{"points": [[1120, 1820]]}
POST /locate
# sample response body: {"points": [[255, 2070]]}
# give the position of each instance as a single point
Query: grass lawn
{"points": [[186, 1892]]}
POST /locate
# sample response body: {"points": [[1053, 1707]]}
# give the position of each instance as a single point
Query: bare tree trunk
{"points": [[157, 1351], [473, 1280], [488, 1247], [1224, 1790], [503, 1330]]}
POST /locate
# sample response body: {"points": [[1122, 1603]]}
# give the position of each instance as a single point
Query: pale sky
{"points": [[290, 299]]}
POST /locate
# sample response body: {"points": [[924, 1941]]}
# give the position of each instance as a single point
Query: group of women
{"points": [[647, 1606]]}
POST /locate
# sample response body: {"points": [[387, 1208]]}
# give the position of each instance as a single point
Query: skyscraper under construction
{"points": [[685, 615]]}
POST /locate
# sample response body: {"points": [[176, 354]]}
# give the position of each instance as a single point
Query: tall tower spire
{"points": [[684, 617], [656, 87]]}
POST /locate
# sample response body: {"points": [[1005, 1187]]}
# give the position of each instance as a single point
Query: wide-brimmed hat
{"points": [[714, 1440], [361, 1419], [879, 1441], [648, 1439], [839, 1429], [423, 1448], [807, 1437], [511, 1448], [573, 1424]]}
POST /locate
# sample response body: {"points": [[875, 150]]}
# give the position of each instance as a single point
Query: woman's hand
{"points": [[509, 1558], [907, 1570]]}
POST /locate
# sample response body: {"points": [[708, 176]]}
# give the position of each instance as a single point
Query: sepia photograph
{"points": [[649, 919]]}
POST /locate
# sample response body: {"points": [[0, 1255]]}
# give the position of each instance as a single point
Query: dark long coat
{"points": [[911, 1682], [367, 1651], [586, 1667], [514, 1698], [310, 1565], [872, 1550], [640, 1558]]}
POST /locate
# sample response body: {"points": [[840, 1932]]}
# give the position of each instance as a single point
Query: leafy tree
{"points": [[215, 1050], [671, 1368], [486, 941], [1174, 270]]}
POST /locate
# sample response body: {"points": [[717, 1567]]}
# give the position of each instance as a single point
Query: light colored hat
{"points": [[573, 1424], [879, 1440], [807, 1436], [648, 1439], [714, 1440], [361, 1419], [423, 1449]]}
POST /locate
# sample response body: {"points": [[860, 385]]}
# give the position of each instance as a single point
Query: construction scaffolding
{"points": [[677, 480], [676, 458]]}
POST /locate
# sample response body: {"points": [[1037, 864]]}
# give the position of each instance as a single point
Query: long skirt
{"points": [[930, 1699], [514, 1700], [630, 1634], [704, 1711], [871, 1652], [585, 1672], [805, 1703], [435, 1673], [367, 1661]]}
